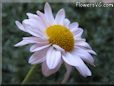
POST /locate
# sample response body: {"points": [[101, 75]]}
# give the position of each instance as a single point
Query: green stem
{"points": [[29, 74]]}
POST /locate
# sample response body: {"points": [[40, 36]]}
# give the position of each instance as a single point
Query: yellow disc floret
{"points": [[61, 36]]}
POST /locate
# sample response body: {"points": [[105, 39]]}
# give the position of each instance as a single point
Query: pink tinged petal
{"points": [[34, 32], [48, 14], [21, 43], [39, 43], [38, 47], [31, 22], [38, 57], [40, 22], [35, 46], [28, 40], [78, 63], [68, 72], [58, 48], [20, 26], [43, 18], [53, 58], [60, 17], [66, 22], [35, 40], [74, 26], [84, 55], [47, 72], [83, 44], [68, 67], [35, 24]]}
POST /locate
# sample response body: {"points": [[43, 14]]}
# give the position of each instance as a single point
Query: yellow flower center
{"points": [[61, 36]]}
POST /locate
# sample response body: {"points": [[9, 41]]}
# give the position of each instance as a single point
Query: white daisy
{"points": [[56, 41]]}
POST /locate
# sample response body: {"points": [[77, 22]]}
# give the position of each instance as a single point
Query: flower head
{"points": [[56, 41]]}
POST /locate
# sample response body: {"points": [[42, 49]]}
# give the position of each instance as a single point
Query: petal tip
{"points": [[30, 61], [95, 53], [16, 45], [27, 14], [47, 4], [17, 22], [63, 11], [88, 74]]}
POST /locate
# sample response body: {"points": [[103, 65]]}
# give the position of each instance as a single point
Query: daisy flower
{"points": [[56, 41]]}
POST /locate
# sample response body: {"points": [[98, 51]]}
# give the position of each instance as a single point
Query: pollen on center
{"points": [[61, 36]]}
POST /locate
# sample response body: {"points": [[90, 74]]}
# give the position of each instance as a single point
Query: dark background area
{"points": [[98, 28]]}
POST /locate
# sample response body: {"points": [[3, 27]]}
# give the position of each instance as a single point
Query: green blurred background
{"points": [[98, 30]]}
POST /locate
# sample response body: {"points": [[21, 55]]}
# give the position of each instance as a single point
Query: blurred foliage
{"points": [[98, 30]]}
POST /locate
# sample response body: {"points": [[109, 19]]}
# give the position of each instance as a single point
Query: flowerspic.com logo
{"points": [[97, 4]]}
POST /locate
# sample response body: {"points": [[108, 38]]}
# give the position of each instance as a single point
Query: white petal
{"points": [[35, 39], [53, 58], [35, 46], [79, 39], [66, 22], [47, 72], [38, 47], [73, 26], [31, 22], [69, 59], [30, 15], [48, 13], [84, 55], [36, 24], [40, 24], [34, 32], [83, 69], [78, 63], [43, 18], [92, 52], [88, 50], [20, 26], [21, 43], [38, 57], [83, 44], [28, 40], [59, 19], [78, 33], [58, 48]]}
